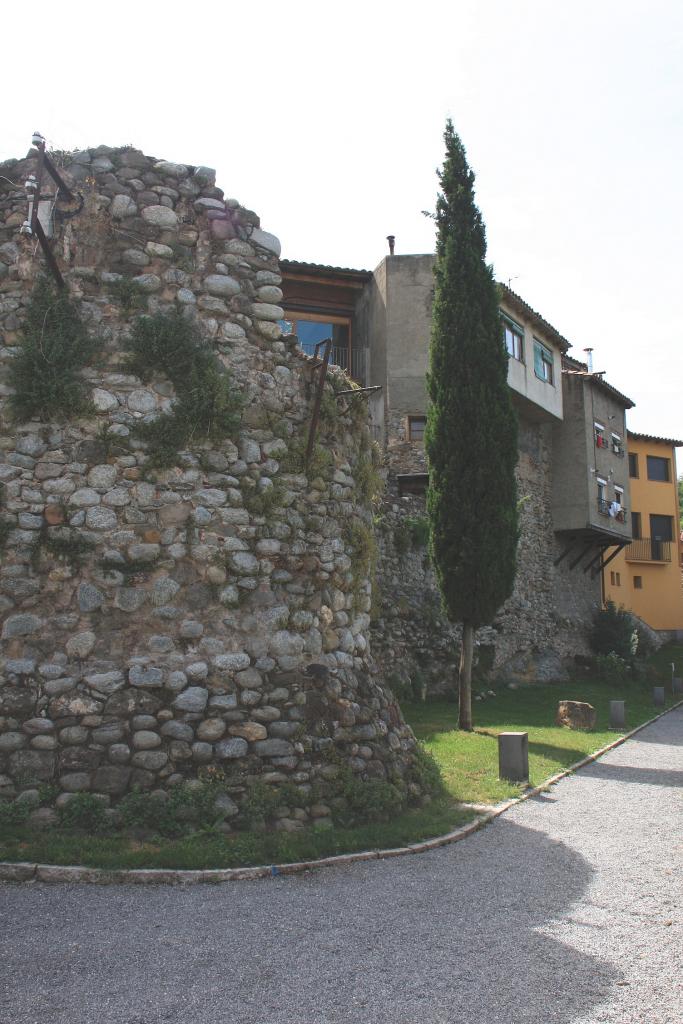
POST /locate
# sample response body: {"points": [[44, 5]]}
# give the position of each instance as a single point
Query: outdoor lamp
{"points": [[37, 139], [31, 183], [26, 228]]}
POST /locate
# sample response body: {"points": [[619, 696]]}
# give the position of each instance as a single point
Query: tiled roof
{"points": [[517, 302], [322, 268], [653, 437], [602, 384]]}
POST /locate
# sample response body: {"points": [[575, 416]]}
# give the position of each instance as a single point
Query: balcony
{"points": [[354, 362], [612, 510], [647, 549]]}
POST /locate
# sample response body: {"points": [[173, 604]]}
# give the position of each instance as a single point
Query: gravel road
{"points": [[566, 910]]}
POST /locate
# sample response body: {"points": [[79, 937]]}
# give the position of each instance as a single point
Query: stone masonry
{"points": [[220, 614], [537, 633]]}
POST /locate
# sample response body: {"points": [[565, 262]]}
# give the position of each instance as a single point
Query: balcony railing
{"points": [[612, 510], [647, 549], [356, 366]]}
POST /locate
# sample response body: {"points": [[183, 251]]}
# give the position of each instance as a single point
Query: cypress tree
{"points": [[471, 434]]}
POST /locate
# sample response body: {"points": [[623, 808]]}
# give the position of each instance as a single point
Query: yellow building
{"points": [[645, 577]]}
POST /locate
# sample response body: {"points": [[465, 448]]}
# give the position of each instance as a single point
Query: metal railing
{"points": [[354, 362], [648, 549], [612, 510]]}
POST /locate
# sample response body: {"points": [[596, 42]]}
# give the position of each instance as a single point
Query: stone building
{"points": [[572, 485], [205, 610]]}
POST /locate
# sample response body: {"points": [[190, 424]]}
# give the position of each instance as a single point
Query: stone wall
{"points": [[537, 633], [218, 614]]}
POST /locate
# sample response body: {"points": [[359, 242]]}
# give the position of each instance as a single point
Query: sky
{"points": [[328, 121]]}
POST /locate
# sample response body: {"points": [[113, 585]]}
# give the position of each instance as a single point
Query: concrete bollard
{"points": [[677, 686], [658, 697], [617, 714], [513, 756]]}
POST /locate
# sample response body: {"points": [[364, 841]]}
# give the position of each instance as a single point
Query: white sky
{"points": [[327, 119]]}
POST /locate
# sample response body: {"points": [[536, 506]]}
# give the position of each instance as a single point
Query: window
{"points": [[633, 466], [514, 339], [635, 525], [617, 446], [603, 503], [543, 362], [638, 582], [416, 428], [412, 483], [658, 468], [600, 439], [661, 527], [310, 329], [615, 578]]}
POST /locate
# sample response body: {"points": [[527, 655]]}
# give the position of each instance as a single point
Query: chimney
{"points": [[589, 359], [391, 239]]}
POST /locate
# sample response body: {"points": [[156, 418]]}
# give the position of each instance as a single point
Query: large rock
{"points": [[575, 714]]}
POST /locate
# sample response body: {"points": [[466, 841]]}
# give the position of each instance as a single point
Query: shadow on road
{"points": [[629, 773], [452, 935]]}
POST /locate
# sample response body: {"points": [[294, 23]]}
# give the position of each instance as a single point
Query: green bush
{"points": [[84, 811], [183, 809], [207, 407], [612, 668], [45, 375], [13, 813], [366, 801], [614, 632]]}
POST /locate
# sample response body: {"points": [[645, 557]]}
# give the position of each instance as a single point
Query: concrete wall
{"points": [[541, 399], [578, 462]]}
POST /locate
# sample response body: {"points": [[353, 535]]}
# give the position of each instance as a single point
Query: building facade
{"points": [[574, 496], [646, 576]]}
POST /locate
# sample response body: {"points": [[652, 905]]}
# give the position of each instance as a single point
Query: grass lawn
{"points": [[469, 761]]}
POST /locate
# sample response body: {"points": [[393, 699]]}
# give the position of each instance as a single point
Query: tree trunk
{"points": [[465, 678]]}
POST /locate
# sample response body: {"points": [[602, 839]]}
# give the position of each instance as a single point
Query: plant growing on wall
{"points": [[45, 375], [207, 406], [471, 434]]}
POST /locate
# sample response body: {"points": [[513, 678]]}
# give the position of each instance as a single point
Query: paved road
{"points": [[566, 910]]}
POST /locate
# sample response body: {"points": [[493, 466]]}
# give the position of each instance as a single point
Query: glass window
{"points": [[310, 331], [661, 527], [638, 582], [416, 428], [543, 362], [633, 465], [514, 339], [657, 468], [635, 525]]}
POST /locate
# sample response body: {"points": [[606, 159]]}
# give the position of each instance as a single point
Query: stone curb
{"points": [[25, 872]]}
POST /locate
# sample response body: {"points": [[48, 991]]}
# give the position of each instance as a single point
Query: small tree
{"points": [[471, 435]]}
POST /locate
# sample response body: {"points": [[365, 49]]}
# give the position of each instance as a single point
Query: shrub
{"points": [[14, 813], [84, 811], [614, 632], [127, 293], [184, 809], [612, 668], [55, 346], [207, 407], [259, 803]]}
